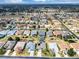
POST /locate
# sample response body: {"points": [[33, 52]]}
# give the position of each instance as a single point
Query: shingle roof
{"points": [[12, 32], [9, 45], [75, 46], [27, 32], [33, 32], [20, 44], [31, 46]]}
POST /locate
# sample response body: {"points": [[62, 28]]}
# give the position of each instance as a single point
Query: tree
{"points": [[10, 38], [47, 29], [17, 39], [71, 52], [2, 51]]}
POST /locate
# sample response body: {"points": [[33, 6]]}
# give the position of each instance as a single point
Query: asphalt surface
{"points": [[13, 57]]}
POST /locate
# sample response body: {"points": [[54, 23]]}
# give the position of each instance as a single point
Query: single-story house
{"points": [[49, 33], [30, 46], [53, 47], [41, 33], [63, 46], [3, 33], [12, 32], [66, 34], [1, 44], [19, 32], [57, 33], [41, 45], [33, 32], [75, 46], [27, 32], [19, 45], [41, 38], [9, 45]]}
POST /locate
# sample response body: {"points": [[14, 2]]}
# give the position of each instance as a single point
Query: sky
{"points": [[38, 1]]}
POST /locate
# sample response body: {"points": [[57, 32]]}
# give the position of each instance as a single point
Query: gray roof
{"points": [[12, 32], [1, 44], [27, 32], [49, 33], [9, 45], [41, 32], [42, 38], [4, 32], [33, 32], [53, 46], [30, 45], [2, 35], [42, 45]]}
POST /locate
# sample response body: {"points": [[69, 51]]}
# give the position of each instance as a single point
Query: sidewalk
{"points": [[14, 53], [31, 53], [39, 54], [7, 53], [58, 55]]}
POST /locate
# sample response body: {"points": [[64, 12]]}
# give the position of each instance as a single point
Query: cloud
{"points": [[13, 1], [40, 0]]}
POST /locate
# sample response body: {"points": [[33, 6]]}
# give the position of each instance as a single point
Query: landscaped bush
{"points": [[71, 52], [2, 51], [71, 41], [17, 39], [10, 38]]}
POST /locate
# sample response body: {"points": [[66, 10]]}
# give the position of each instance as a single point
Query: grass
{"points": [[4, 39], [24, 53], [47, 53]]}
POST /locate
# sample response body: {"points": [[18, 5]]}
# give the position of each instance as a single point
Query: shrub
{"points": [[71, 52], [17, 39], [10, 38], [2, 51], [71, 41]]}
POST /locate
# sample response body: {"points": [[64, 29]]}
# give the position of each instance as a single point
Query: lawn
{"points": [[24, 53]]}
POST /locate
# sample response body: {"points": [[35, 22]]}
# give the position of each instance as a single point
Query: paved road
{"points": [[66, 27], [10, 57]]}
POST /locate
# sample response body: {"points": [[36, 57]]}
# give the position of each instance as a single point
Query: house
{"points": [[3, 33], [53, 46], [33, 32], [57, 33], [41, 45], [9, 45], [41, 38], [19, 46], [30, 46], [19, 32], [41, 33], [12, 32], [63, 47], [49, 33], [75, 46], [43, 21], [27, 32], [66, 34], [1, 44]]}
